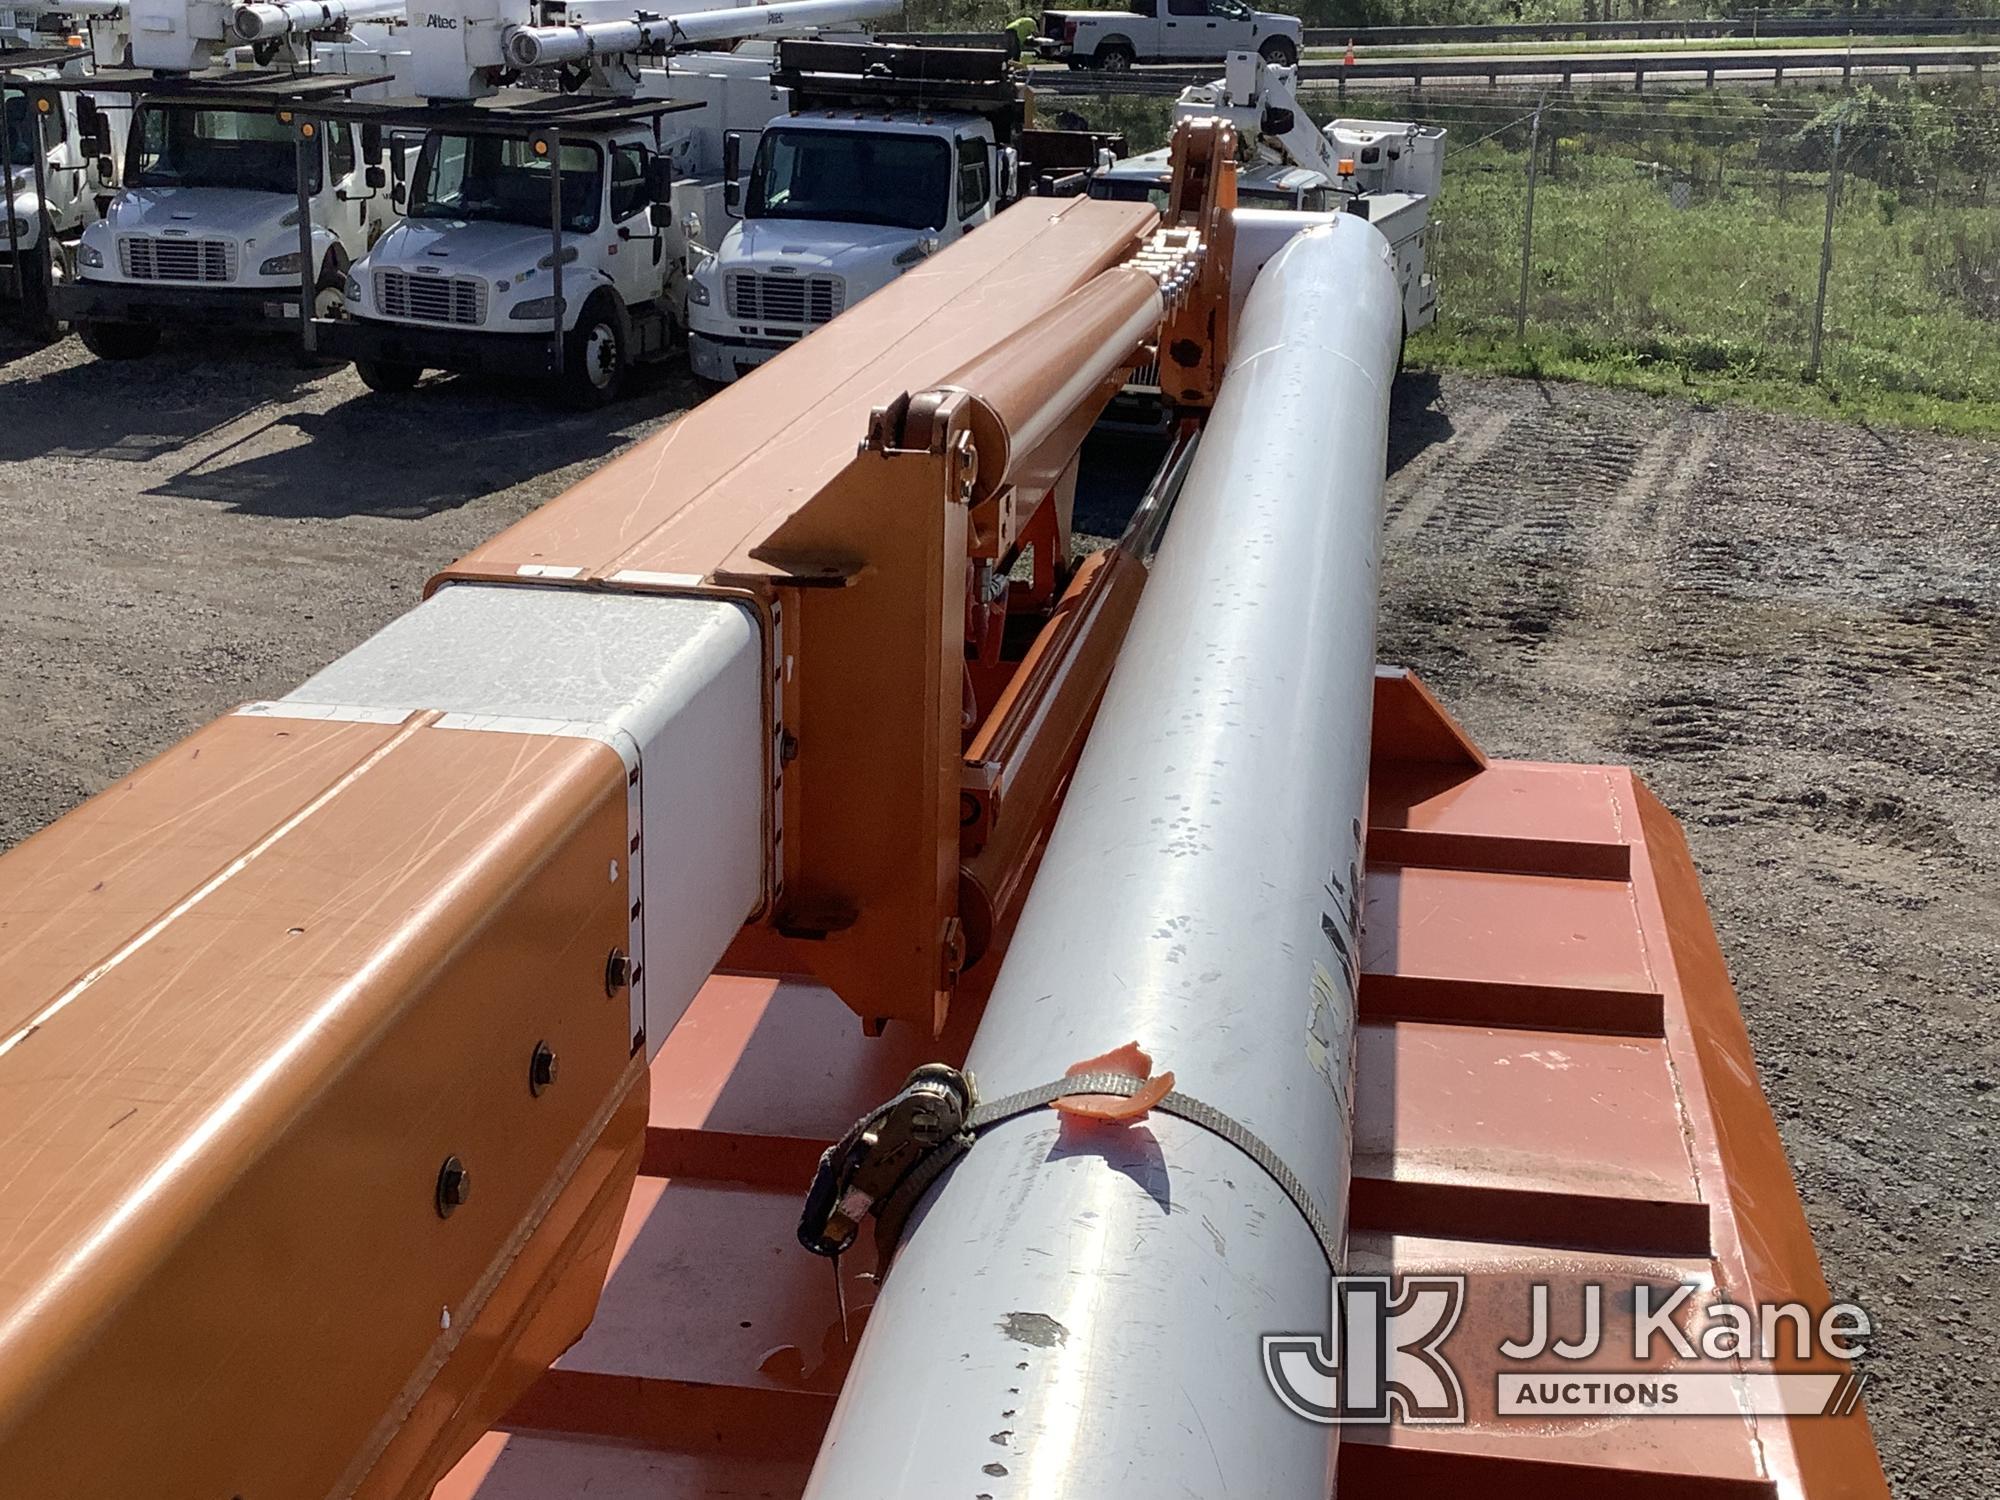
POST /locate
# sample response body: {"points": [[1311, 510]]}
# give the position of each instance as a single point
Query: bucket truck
{"points": [[891, 153], [1385, 172], [1388, 173], [236, 210], [441, 1081], [58, 154], [545, 232]]}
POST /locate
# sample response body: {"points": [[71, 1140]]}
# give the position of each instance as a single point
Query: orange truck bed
{"points": [[1554, 1086]]}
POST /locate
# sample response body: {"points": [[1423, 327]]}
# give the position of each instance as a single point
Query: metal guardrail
{"points": [[1749, 24], [1639, 67], [1692, 28]]}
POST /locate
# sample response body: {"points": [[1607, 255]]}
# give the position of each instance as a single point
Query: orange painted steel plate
{"points": [[380, 920]]}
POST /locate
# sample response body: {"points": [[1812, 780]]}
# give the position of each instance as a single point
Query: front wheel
{"points": [[119, 340], [38, 279], [593, 369], [387, 375], [1279, 52]]}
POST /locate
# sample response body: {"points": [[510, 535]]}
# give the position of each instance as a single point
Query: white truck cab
{"points": [[206, 228], [1168, 31], [547, 230], [838, 204], [469, 279], [45, 207], [891, 152]]}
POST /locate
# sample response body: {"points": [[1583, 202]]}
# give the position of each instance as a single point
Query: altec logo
{"points": [[1384, 1357], [440, 23]]}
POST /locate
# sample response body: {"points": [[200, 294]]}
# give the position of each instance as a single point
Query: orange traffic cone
{"points": [[1348, 61]]}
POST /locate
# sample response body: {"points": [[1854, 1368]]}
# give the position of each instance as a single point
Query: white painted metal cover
{"points": [[671, 683]]}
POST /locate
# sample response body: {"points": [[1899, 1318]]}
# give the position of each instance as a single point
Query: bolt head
{"points": [[541, 1068], [617, 972], [454, 1186]]}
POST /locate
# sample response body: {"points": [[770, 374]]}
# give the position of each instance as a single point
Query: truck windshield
{"points": [[500, 178], [900, 179], [180, 146]]}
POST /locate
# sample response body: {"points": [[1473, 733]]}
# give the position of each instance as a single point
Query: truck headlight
{"points": [[697, 294], [534, 307], [90, 258], [354, 291], [280, 265]]}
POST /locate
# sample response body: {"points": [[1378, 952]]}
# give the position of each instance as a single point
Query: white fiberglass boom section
{"points": [[535, 46], [286, 17]]}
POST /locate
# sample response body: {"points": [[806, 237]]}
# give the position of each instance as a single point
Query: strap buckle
{"points": [[866, 1166]]}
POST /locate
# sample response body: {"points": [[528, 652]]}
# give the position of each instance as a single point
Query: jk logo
{"points": [[1380, 1360]]}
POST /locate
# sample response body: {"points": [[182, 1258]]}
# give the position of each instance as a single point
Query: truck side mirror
{"points": [[106, 169], [732, 173], [1010, 174], [93, 126], [660, 178], [401, 192], [375, 177], [371, 148]]}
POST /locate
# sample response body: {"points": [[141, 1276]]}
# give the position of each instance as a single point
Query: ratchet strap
{"points": [[893, 1155]]}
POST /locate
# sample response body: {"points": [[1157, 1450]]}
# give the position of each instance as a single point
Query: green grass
{"points": [[1666, 371], [1715, 299]]}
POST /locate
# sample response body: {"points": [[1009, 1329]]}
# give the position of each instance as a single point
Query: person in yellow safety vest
{"points": [[1022, 30]]}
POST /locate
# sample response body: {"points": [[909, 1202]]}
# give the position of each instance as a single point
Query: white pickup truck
{"points": [[1168, 31]]}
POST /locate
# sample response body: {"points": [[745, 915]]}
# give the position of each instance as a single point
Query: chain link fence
{"points": [[1854, 236], [1690, 229]]}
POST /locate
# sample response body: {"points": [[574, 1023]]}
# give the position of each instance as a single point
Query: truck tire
{"points": [[387, 376], [38, 319], [595, 357], [1279, 52], [119, 340], [1114, 56]]}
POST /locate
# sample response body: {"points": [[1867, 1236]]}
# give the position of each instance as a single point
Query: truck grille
{"points": [[430, 299], [144, 257], [757, 297]]}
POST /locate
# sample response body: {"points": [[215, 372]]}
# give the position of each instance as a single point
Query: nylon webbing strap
{"points": [[909, 1192]]}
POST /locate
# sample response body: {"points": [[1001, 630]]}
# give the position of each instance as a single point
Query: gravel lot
{"points": [[1792, 629]]}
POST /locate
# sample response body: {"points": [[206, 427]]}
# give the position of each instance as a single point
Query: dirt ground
{"points": [[1791, 629]]}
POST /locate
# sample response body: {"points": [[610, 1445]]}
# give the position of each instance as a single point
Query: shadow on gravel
{"points": [[16, 344], [1417, 418], [403, 457], [136, 411]]}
